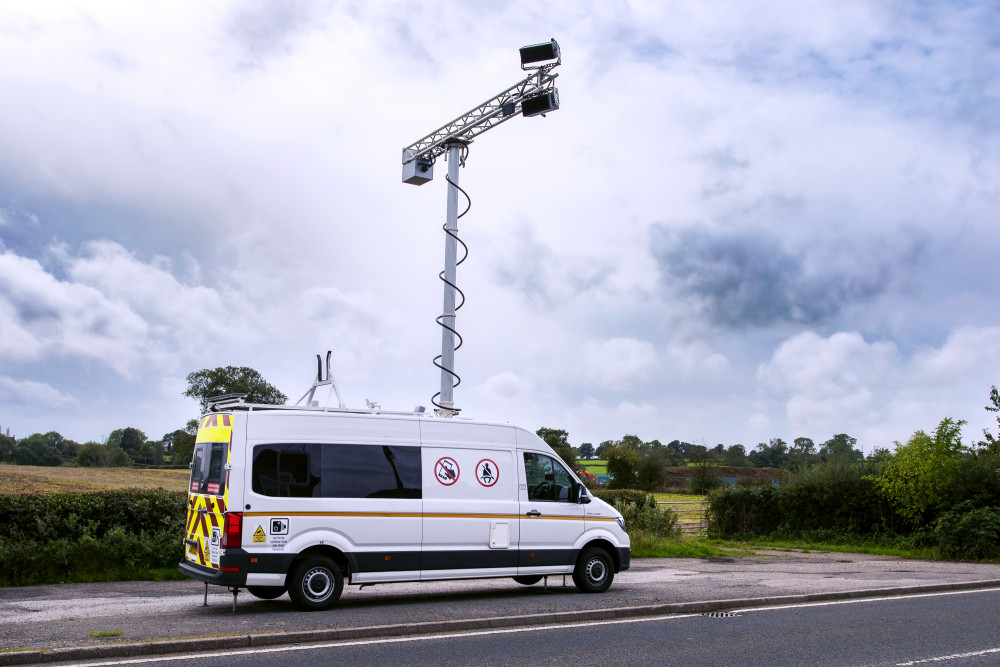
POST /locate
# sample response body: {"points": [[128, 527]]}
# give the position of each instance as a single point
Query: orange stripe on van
{"points": [[433, 515]]}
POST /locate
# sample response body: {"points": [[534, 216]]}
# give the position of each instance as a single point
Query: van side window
{"points": [[336, 471], [371, 471], [289, 471], [547, 479]]}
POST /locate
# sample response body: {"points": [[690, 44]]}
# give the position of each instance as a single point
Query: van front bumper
{"points": [[624, 557], [232, 570]]}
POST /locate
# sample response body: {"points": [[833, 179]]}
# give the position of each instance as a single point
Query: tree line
{"points": [[129, 445], [932, 492]]}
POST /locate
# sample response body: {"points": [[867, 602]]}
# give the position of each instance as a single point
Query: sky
{"points": [[746, 221]]}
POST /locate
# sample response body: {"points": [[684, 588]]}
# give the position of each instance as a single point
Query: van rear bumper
{"points": [[218, 576], [624, 557]]}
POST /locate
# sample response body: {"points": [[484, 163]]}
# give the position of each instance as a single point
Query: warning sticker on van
{"points": [[487, 472], [446, 470], [258, 535]]}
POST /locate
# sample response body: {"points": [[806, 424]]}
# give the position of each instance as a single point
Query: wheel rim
{"points": [[597, 571], [317, 584]]}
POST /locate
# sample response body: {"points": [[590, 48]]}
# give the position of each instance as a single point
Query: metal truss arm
{"points": [[487, 115]]}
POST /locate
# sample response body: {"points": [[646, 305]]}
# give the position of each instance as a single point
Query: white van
{"points": [[299, 499]]}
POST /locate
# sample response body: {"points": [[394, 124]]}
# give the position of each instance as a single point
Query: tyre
{"points": [[266, 592], [316, 584], [594, 570], [528, 579]]}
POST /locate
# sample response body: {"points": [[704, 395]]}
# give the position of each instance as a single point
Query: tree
{"points": [[586, 450], [770, 455], [558, 440], [992, 442], [623, 466], [649, 472], [100, 455], [840, 449], [633, 441], [917, 478], [36, 450], [129, 439], [182, 441], [802, 454], [735, 456], [604, 448], [702, 478], [206, 383], [7, 445]]}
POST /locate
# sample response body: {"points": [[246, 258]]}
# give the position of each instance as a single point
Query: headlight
{"points": [[621, 523]]}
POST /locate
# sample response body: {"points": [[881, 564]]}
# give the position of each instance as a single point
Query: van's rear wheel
{"points": [[594, 571], [316, 584], [266, 592], [528, 579]]}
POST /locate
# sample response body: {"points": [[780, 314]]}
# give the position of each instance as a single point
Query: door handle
{"points": [[534, 513]]}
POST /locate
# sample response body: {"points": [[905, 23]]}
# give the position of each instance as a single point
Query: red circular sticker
{"points": [[446, 471], [487, 472]]}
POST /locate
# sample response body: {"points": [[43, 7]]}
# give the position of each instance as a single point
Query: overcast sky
{"points": [[747, 221]]}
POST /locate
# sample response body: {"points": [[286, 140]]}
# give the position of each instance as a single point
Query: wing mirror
{"points": [[582, 497]]}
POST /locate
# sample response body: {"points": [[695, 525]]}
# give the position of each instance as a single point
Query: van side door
{"points": [[551, 520]]}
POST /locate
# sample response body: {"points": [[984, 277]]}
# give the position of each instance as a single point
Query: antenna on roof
{"points": [[322, 381]]}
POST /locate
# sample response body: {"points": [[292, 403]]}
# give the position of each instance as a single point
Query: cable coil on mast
{"points": [[453, 233]]}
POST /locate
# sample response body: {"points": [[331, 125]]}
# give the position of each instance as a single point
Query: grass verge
{"points": [[649, 545], [872, 547]]}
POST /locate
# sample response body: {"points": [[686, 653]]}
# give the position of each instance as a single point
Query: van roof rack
{"points": [[226, 401]]}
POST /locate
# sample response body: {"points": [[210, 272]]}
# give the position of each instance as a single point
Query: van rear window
{"points": [[208, 468], [313, 470]]}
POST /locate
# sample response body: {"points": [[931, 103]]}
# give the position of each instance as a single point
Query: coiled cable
{"points": [[453, 233]]}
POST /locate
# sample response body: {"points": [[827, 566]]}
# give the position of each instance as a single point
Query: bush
{"points": [[109, 535], [743, 510], [969, 533], [841, 498], [97, 455], [618, 497], [641, 513]]}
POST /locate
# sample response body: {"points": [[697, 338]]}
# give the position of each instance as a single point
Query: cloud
{"points": [[748, 279], [618, 363], [545, 278], [874, 390], [35, 395], [265, 28], [829, 380], [503, 386]]}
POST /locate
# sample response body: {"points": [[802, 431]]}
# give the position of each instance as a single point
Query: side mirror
{"points": [[582, 497]]}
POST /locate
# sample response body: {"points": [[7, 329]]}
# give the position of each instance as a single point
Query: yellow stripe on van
{"points": [[214, 434]]}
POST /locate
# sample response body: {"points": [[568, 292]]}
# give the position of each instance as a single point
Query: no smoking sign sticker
{"points": [[446, 470]]}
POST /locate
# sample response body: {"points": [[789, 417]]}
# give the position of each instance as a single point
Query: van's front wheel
{"points": [[316, 584], [594, 571]]}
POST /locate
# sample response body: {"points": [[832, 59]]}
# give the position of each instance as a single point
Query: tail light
{"points": [[232, 536]]}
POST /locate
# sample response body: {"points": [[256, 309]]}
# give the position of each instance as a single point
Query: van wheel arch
{"points": [[334, 554], [607, 546]]}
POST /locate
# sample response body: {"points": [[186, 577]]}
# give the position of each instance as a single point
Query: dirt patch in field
{"points": [[64, 479]]}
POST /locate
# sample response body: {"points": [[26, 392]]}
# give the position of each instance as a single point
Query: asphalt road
{"points": [[957, 629], [140, 614]]}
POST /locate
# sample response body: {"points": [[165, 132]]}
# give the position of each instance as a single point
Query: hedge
{"points": [[104, 536]]}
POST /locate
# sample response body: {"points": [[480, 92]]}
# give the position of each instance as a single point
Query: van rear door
{"points": [[208, 492]]}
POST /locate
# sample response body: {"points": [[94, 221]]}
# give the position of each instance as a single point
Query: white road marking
{"points": [[954, 656], [502, 631]]}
